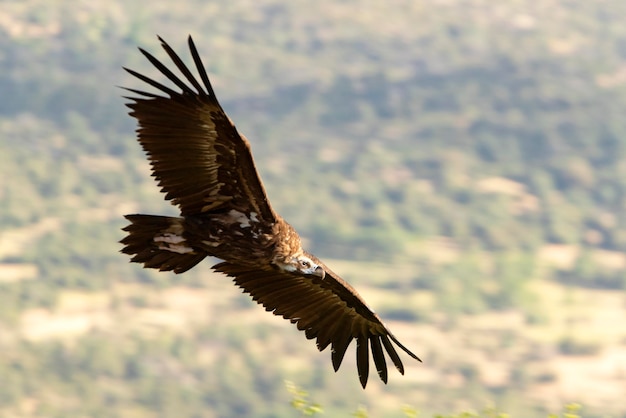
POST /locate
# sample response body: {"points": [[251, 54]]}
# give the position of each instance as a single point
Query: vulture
{"points": [[205, 167]]}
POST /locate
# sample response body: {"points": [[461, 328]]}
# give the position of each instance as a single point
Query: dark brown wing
{"points": [[327, 309], [196, 153]]}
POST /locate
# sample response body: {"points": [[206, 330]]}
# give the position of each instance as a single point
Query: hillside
{"points": [[461, 162]]}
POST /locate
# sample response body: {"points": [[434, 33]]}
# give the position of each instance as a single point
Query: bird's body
{"points": [[206, 168]]}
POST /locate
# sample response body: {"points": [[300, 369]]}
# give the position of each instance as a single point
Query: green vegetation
{"points": [[300, 402], [462, 163]]}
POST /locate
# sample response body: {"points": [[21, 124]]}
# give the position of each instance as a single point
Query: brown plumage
{"points": [[206, 168]]}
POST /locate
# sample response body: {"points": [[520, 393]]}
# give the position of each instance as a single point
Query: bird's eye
{"points": [[305, 264]]}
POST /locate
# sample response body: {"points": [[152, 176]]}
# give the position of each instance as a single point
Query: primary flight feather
{"points": [[205, 167]]}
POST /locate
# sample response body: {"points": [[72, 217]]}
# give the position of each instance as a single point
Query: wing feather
{"points": [[395, 358], [200, 66], [328, 328], [379, 358], [328, 309], [362, 359], [153, 83], [198, 158], [185, 71], [340, 344], [166, 72]]}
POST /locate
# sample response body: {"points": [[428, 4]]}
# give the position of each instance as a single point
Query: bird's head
{"points": [[303, 264]]}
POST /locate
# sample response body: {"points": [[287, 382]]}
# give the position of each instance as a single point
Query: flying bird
{"points": [[205, 167]]}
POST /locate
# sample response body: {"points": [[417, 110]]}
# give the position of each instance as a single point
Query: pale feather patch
{"points": [[286, 267], [173, 243], [211, 243], [180, 249], [169, 238], [213, 204], [240, 218]]}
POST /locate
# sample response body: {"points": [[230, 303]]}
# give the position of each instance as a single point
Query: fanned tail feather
{"points": [[158, 242]]}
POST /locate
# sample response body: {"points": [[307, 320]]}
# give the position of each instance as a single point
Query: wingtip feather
{"points": [[362, 360], [339, 348], [379, 358]]}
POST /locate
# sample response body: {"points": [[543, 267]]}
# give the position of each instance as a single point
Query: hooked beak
{"points": [[319, 272]]}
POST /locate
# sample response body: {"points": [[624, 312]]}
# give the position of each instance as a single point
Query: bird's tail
{"points": [[159, 243]]}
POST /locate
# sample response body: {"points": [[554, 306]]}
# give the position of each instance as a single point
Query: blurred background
{"points": [[461, 162]]}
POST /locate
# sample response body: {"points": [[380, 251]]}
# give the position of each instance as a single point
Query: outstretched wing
{"points": [[327, 309], [199, 159]]}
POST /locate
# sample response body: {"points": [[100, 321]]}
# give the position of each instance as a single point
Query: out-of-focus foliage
{"points": [[466, 157], [300, 402]]}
